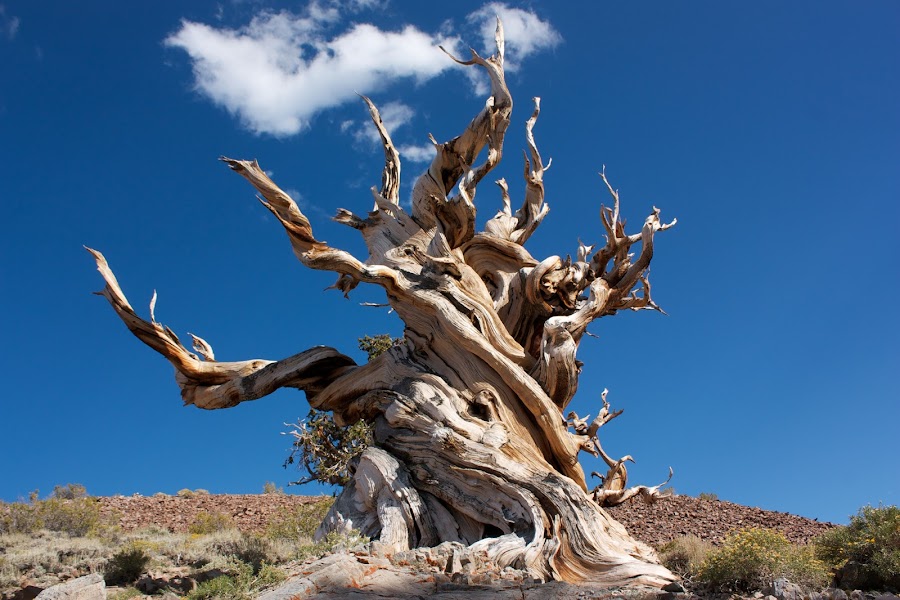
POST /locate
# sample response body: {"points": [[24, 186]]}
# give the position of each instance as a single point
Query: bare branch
{"points": [[615, 497], [454, 160], [310, 251], [390, 175], [209, 384], [519, 228]]}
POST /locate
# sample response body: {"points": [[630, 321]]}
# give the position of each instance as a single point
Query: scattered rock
{"points": [[711, 520], [89, 587]]}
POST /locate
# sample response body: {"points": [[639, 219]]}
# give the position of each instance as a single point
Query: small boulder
{"points": [[89, 587]]}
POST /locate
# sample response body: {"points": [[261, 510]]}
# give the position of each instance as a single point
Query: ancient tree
{"points": [[470, 440]]}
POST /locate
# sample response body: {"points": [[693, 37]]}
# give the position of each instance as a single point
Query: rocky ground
{"points": [[655, 524], [448, 571], [711, 520], [249, 512]]}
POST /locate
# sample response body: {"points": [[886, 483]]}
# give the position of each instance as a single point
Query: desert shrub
{"points": [[185, 493], [251, 550], [207, 522], [70, 491], [298, 523], [330, 543], [871, 540], [75, 517], [223, 548], [224, 587], [684, 555], [708, 496], [201, 492], [127, 565], [241, 583], [751, 559], [270, 488], [19, 517]]}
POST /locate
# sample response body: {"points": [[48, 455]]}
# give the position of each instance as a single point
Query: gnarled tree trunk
{"points": [[471, 444]]}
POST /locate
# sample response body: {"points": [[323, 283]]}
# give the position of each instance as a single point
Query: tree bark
{"points": [[470, 441]]}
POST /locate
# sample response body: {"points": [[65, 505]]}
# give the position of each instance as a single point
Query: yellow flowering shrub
{"points": [[752, 559]]}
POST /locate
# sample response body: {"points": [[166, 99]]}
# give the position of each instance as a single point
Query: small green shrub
{"points": [[126, 565], [224, 587], [708, 496], [251, 550], [872, 541], [329, 543], [684, 555], [751, 559], [298, 523], [185, 493], [242, 583], [207, 522], [377, 345]]}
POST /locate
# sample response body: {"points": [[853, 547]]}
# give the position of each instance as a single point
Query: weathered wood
{"points": [[470, 441]]}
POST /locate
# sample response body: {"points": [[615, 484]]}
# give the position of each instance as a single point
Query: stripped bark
{"points": [[470, 441]]}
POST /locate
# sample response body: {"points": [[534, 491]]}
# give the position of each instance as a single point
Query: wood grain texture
{"points": [[470, 440]]}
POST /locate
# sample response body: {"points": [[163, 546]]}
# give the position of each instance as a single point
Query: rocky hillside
{"points": [[710, 519]]}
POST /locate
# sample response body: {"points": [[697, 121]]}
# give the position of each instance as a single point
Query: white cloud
{"points": [[9, 24], [525, 33], [416, 154], [279, 71], [393, 114]]}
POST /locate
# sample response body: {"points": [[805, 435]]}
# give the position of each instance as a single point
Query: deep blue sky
{"points": [[771, 131]]}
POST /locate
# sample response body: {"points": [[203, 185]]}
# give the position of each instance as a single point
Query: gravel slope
{"points": [[710, 519]]}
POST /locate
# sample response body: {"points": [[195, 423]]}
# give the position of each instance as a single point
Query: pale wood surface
{"points": [[471, 443]]}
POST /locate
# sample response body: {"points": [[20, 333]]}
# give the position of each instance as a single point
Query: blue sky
{"points": [[769, 129]]}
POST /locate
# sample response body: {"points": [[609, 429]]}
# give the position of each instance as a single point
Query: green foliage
{"points": [[241, 584], [19, 517], [872, 540], [70, 491], [377, 345], [708, 496], [323, 448], [249, 549], [270, 488], [300, 523], [76, 517], [684, 555], [330, 543], [126, 565], [207, 522], [751, 559]]}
